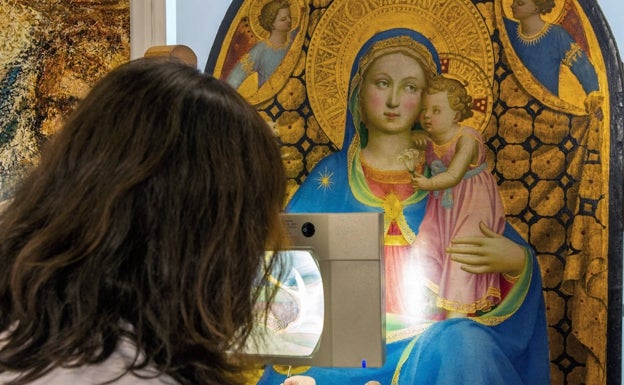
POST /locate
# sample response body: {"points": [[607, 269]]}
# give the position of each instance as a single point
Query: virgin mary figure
{"points": [[507, 345]]}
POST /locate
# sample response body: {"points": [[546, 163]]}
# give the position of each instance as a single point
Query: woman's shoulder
{"points": [[113, 368], [91, 375]]}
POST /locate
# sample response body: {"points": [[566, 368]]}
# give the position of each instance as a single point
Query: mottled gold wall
{"points": [[51, 53]]}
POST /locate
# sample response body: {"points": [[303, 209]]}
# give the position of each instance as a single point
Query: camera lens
{"points": [[308, 229]]}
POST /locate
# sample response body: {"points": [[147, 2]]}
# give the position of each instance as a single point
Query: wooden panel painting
{"points": [[546, 88], [545, 82]]}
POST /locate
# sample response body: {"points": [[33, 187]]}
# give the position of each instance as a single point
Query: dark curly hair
{"points": [[147, 219]]}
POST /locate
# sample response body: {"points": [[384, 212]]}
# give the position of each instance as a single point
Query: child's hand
{"points": [[299, 380], [420, 182], [420, 139]]}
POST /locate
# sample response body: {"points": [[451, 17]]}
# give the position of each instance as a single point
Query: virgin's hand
{"points": [[490, 253]]}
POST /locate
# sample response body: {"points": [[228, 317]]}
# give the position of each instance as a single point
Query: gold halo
{"points": [[477, 84], [456, 27], [254, 16]]}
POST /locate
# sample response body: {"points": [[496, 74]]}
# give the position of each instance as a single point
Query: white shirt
{"points": [[97, 374]]}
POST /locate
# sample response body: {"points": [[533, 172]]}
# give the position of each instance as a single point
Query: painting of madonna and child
{"points": [[483, 132]]}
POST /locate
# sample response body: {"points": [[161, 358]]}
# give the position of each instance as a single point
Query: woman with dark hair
{"points": [[132, 252]]}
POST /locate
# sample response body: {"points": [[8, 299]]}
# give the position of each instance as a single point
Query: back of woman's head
{"points": [[147, 218]]}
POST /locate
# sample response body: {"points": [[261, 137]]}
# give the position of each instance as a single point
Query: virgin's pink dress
{"points": [[400, 296], [396, 252], [457, 212]]}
